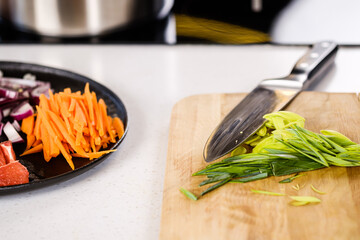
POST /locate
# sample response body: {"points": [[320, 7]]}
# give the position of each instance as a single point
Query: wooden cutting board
{"points": [[233, 211]]}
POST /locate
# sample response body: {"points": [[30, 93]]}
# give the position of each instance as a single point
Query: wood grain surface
{"points": [[233, 211]]}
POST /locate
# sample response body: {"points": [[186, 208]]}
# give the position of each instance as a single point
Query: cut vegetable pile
{"points": [[282, 147], [16, 99], [72, 124]]}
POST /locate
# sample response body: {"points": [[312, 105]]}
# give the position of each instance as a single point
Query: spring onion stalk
{"points": [[282, 147]]}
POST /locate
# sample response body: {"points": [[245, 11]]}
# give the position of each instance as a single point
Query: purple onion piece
{"points": [[16, 125], [1, 128], [17, 83], [22, 111], [12, 134], [7, 93], [43, 89]]}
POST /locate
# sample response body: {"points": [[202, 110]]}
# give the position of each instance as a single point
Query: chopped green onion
{"points": [[290, 179], [188, 194], [308, 199], [316, 190], [268, 193]]}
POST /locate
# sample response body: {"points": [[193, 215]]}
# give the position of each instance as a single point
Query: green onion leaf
{"points": [[316, 190], [188, 194], [308, 199], [290, 179], [268, 193]]}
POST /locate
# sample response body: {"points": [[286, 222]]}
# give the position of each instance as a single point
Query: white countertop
{"points": [[121, 198]]}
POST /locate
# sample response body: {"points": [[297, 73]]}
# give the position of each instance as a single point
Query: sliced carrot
{"points": [[97, 115], [53, 104], [30, 139], [37, 128], [44, 102], [72, 105], [89, 103], [70, 139], [119, 126], [27, 125], [37, 142], [100, 153], [103, 111], [57, 131], [71, 124], [46, 142], [35, 149]]}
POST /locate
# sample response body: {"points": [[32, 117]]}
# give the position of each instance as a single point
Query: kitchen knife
{"points": [[270, 95]]}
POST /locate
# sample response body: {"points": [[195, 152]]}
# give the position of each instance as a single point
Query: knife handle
{"points": [[314, 63]]}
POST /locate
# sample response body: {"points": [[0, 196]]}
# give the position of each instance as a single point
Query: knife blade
{"points": [[270, 95]]}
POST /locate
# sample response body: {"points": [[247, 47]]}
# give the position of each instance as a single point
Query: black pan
{"points": [[44, 173]]}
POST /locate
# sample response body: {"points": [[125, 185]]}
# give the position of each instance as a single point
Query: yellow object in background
{"points": [[217, 31]]}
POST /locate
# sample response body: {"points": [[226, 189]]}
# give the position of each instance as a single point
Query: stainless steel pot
{"points": [[74, 18]]}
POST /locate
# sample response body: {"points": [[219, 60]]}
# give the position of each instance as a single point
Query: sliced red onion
{"points": [[6, 111], [16, 125], [43, 89], [9, 101], [22, 111], [1, 128], [7, 93], [16, 83], [12, 134]]}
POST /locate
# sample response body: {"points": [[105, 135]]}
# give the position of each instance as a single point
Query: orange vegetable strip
{"points": [[70, 139], [44, 102], [54, 149], [89, 103], [98, 147], [92, 144], [97, 114], [80, 115], [86, 131], [91, 127], [46, 142], [38, 122], [71, 95], [67, 91], [57, 141], [53, 104], [57, 131], [37, 142], [35, 149], [102, 106], [27, 125], [66, 155], [64, 108], [72, 105], [119, 126], [97, 140], [79, 135], [100, 153], [78, 155], [30, 139]]}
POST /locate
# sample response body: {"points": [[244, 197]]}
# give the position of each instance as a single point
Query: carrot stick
{"points": [[72, 105], [46, 142], [27, 125], [70, 139], [30, 139], [35, 149], [53, 104], [119, 126], [89, 103], [72, 124], [37, 142]]}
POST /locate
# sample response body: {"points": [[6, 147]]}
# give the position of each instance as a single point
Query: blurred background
{"points": [[179, 21]]}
